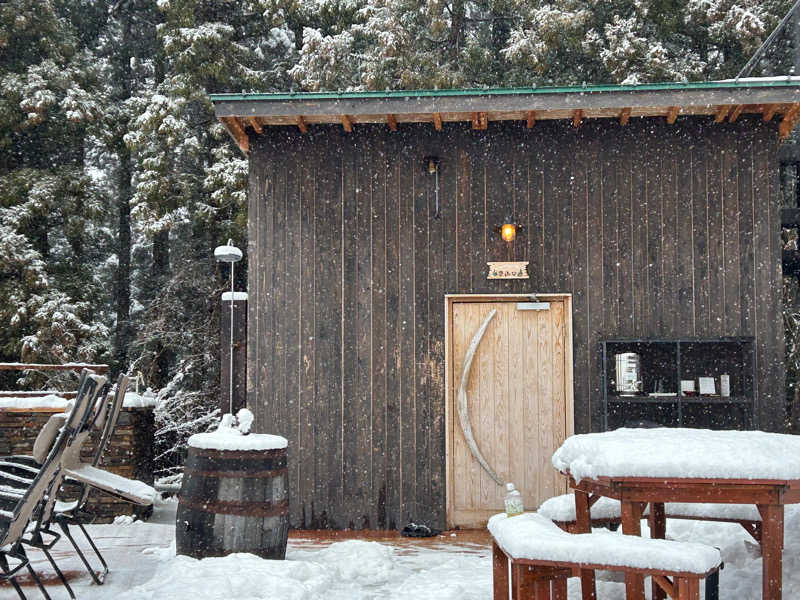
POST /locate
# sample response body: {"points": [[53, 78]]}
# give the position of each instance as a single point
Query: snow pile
{"points": [[145, 400], [535, 537], [22, 402], [689, 453], [233, 434], [349, 570]]}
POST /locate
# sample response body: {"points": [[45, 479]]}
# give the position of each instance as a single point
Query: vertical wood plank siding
{"points": [[656, 230]]}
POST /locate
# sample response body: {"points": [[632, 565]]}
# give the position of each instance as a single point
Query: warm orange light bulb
{"points": [[508, 232]]}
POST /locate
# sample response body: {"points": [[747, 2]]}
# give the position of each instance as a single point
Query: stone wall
{"points": [[130, 452]]}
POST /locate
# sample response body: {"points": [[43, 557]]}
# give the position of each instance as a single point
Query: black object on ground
{"points": [[418, 530]]}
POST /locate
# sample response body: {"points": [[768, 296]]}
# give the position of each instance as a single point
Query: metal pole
{"points": [[763, 48], [230, 376]]}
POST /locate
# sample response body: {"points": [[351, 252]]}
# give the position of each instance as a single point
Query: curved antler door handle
{"points": [[463, 412]]}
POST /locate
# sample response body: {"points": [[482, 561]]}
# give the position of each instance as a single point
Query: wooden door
{"points": [[518, 397]]}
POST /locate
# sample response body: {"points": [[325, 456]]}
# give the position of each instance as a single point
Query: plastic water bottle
{"points": [[513, 501]]}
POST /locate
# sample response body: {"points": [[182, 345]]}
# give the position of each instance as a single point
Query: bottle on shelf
{"points": [[513, 501]]}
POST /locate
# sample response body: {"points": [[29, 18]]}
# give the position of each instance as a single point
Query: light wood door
{"points": [[519, 405]]}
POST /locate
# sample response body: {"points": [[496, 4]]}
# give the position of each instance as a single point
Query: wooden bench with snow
{"points": [[534, 557], [607, 511]]}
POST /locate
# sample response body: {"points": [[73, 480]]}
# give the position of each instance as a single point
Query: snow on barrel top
{"points": [[686, 453], [233, 434]]}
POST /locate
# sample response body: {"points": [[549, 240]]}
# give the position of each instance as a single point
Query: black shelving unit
{"points": [[668, 361]]}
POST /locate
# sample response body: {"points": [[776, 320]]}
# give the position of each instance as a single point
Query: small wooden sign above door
{"points": [[508, 270]]}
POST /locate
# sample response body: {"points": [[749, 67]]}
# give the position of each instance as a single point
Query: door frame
{"points": [[569, 409]]}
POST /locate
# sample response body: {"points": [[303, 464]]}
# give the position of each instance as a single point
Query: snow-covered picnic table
{"points": [[653, 466]]}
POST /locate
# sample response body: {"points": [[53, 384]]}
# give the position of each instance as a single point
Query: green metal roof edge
{"points": [[647, 87]]}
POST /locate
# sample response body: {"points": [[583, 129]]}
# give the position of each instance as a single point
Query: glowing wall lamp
{"points": [[508, 232]]}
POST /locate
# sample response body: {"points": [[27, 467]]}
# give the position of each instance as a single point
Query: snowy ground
{"points": [[144, 566]]}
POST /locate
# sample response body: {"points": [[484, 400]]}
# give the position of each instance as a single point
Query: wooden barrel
{"points": [[233, 501]]}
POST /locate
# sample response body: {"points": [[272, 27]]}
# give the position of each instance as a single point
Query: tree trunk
{"points": [[122, 281]]}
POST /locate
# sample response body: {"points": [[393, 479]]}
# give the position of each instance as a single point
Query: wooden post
{"points": [[772, 550], [631, 525], [499, 572], [658, 529], [583, 524], [239, 352]]}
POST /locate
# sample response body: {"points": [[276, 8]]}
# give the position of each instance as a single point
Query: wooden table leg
{"points": [[771, 550], [583, 524], [631, 525], [657, 521], [499, 572]]}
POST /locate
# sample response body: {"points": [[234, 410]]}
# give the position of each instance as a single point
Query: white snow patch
{"points": [[228, 296], [232, 435], [22, 402], [144, 400]]}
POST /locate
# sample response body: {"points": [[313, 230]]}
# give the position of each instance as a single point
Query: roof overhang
{"points": [[724, 100]]}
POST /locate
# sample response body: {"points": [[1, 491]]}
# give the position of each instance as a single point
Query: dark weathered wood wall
{"points": [[657, 230]]}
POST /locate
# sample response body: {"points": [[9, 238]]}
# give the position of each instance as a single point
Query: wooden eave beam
{"points": [[625, 116], [237, 132], [531, 121], [577, 117], [301, 124], [437, 121], [346, 123], [735, 113], [392, 120], [721, 113], [789, 121], [255, 125], [769, 111], [672, 114]]}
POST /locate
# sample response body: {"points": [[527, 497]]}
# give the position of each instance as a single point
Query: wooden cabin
{"points": [[415, 359]]}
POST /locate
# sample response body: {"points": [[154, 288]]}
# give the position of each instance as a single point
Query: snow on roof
{"points": [[535, 537], [685, 453]]}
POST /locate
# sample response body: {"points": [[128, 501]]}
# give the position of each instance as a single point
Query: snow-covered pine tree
{"points": [[50, 209], [190, 195], [637, 41]]}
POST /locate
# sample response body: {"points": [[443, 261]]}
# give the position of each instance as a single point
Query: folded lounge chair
{"points": [[19, 503], [74, 512]]}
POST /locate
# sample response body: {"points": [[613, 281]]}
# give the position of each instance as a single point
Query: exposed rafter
{"points": [[737, 110], [347, 123], [392, 120], [625, 116], [721, 113], [437, 121], [531, 120], [255, 125], [769, 111], [577, 117], [237, 132], [672, 114], [789, 121], [480, 120], [301, 124]]}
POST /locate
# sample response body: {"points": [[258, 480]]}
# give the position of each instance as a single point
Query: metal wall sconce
{"points": [[432, 168]]}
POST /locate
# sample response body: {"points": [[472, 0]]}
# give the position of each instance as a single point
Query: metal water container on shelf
{"points": [[629, 374]]}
